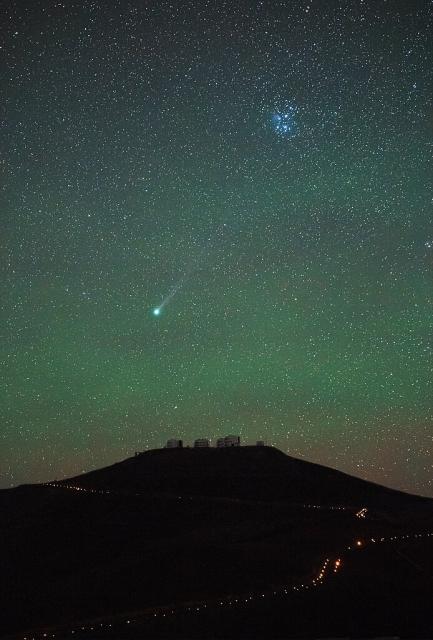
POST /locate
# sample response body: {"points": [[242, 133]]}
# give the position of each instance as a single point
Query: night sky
{"points": [[217, 217]]}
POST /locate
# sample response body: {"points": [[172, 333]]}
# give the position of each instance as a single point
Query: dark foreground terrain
{"points": [[244, 542]]}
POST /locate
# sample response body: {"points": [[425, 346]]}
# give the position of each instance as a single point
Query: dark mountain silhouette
{"points": [[256, 473], [184, 530]]}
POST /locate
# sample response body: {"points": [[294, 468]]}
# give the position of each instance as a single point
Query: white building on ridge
{"points": [[204, 443], [201, 443], [231, 441], [174, 444]]}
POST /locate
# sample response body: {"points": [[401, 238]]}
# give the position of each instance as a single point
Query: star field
{"points": [[259, 172]]}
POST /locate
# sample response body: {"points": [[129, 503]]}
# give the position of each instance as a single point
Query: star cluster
{"points": [[284, 122], [265, 165]]}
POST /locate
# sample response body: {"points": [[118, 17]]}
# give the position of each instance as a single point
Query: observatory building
{"points": [[174, 444], [204, 443], [229, 441], [201, 443]]}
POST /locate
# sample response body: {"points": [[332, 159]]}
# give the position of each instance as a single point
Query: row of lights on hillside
{"points": [[359, 514], [326, 506], [406, 536], [72, 487], [199, 606], [246, 599]]}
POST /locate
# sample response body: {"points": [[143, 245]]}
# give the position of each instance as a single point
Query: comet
{"points": [[157, 311], [190, 269]]}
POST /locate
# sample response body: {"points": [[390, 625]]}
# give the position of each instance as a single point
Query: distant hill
{"points": [[249, 472], [173, 526]]}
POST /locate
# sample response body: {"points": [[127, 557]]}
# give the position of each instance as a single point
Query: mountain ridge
{"points": [[247, 472]]}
